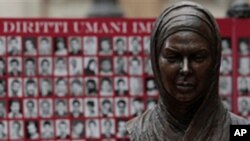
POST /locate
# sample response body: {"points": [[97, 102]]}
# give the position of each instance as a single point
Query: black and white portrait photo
{"points": [[151, 89], [90, 66], [30, 46], [76, 87], [244, 66], [75, 46], [226, 65], [107, 128], [62, 129], [77, 129], [121, 86], [61, 107], [3, 88], [105, 66], [244, 85], [120, 65], [226, 46], [91, 86], [60, 46], [121, 105], [32, 130], [61, 86], [243, 46], [30, 87], [15, 87], [15, 66], [76, 108], [135, 86], [45, 108], [60, 67], [91, 107], [147, 66], [45, 87], [90, 45], [136, 107], [3, 107], [135, 45], [14, 45], [45, 66], [44, 46], [3, 68], [244, 106], [2, 45], [135, 66], [106, 86], [3, 130], [47, 129], [30, 108], [30, 67], [16, 129], [105, 47], [121, 128], [225, 85], [92, 128], [75, 66], [120, 45], [107, 109]]}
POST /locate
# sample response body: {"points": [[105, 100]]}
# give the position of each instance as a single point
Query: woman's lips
{"points": [[185, 86]]}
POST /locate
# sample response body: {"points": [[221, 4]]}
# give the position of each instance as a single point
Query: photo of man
{"points": [[47, 129], [29, 44], [77, 128], [76, 108], [30, 108], [15, 109], [44, 45], [30, 67], [61, 107], [14, 66], [15, 87], [31, 87], [14, 45], [75, 46], [45, 108], [90, 45], [45, 66], [62, 129]]}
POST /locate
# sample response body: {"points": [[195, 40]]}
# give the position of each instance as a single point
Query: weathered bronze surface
{"points": [[185, 56]]}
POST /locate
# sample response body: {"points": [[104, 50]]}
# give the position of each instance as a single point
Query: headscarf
{"points": [[211, 120]]}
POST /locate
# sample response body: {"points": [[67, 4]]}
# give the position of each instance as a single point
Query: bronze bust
{"points": [[185, 55]]}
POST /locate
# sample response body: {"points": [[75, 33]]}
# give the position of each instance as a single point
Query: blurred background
{"points": [[86, 8]]}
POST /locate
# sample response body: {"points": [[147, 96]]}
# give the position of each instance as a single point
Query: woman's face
{"points": [[92, 65], [32, 128], [185, 65], [60, 45]]}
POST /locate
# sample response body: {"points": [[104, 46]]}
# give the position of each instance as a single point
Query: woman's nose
{"points": [[185, 66]]}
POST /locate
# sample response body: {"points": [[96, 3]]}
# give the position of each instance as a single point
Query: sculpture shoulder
{"points": [[237, 120], [141, 124]]}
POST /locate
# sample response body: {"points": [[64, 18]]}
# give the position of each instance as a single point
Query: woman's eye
{"points": [[199, 58], [172, 59]]}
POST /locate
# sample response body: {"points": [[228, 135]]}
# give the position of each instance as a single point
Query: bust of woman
{"points": [[185, 55]]}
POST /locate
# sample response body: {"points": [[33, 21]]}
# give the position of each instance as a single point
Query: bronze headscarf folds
{"points": [[211, 121]]}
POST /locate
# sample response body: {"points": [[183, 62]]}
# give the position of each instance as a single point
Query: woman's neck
{"points": [[182, 112]]}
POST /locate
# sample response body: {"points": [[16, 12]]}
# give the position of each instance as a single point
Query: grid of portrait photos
{"points": [[243, 76], [74, 87], [86, 87]]}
